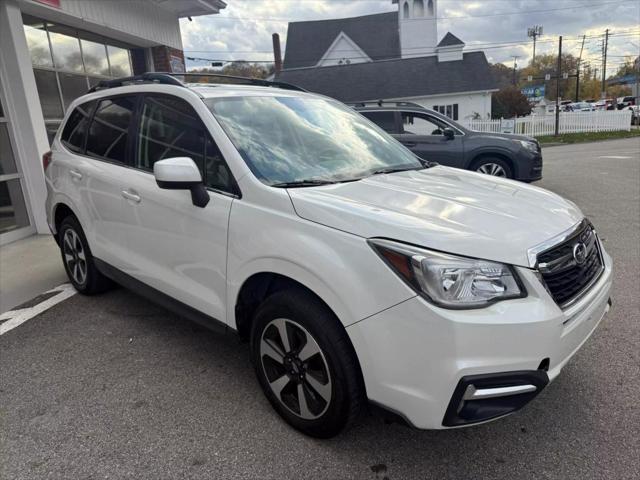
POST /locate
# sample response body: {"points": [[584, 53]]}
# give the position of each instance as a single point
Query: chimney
{"points": [[277, 54]]}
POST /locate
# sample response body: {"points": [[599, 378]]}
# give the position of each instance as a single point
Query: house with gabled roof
{"points": [[393, 56]]}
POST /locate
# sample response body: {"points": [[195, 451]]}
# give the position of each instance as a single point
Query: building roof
{"points": [[450, 39], [397, 78], [377, 35]]}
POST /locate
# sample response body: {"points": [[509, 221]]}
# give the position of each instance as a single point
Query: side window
{"points": [[385, 120], [75, 130], [217, 173], [421, 124], [169, 127], [110, 128]]}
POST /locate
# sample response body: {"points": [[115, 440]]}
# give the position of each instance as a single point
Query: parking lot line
{"points": [[15, 318]]}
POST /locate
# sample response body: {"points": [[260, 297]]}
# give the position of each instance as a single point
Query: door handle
{"points": [[131, 196], [75, 174], [409, 144]]}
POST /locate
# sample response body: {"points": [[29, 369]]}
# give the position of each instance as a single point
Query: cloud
{"points": [[243, 30]]}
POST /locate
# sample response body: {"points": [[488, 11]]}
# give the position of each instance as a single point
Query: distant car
{"points": [[582, 107], [435, 137], [624, 102]]}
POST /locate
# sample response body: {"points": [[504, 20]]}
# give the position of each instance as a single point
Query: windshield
{"points": [[287, 140]]}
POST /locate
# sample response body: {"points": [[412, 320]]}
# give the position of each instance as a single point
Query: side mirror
{"points": [[181, 173], [448, 133]]}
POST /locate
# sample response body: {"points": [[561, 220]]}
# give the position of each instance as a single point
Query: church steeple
{"points": [[417, 21]]}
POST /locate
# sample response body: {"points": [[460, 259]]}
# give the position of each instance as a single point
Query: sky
{"points": [[242, 31]]}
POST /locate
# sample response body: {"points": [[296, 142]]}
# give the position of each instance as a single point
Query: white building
{"points": [[53, 51], [390, 56]]}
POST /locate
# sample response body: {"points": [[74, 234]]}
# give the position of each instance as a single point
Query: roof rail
{"points": [[233, 79], [169, 78], [381, 103], [148, 77]]}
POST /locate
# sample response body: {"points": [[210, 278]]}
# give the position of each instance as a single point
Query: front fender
{"points": [[338, 267]]}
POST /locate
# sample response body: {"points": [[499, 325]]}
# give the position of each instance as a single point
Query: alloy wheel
{"points": [[295, 368], [492, 169], [74, 256]]}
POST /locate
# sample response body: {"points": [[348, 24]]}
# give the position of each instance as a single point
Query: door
{"points": [[423, 135], [96, 173], [174, 246]]}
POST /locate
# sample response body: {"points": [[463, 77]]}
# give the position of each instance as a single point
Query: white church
{"points": [[390, 56]]}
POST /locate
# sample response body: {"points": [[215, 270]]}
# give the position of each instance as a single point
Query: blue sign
{"points": [[534, 92]]}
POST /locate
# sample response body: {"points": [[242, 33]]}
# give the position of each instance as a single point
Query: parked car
{"points": [[624, 102], [435, 137], [582, 107], [605, 104], [635, 114], [356, 271]]}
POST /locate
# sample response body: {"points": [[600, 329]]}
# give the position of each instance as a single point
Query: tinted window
{"points": [[75, 130], [169, 128], [110, 127], [421, 124], [217, 173], [385, 120]]}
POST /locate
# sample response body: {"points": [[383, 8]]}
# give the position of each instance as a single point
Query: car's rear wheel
{"points": [[305, 364], [493, 166], [77, 259]]}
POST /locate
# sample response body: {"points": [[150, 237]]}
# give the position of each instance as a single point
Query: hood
{"points": [[504, 136], [442, 208]]}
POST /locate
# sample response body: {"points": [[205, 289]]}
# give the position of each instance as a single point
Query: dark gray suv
{"points": [[433, 136]]}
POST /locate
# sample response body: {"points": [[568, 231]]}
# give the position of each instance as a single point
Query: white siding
{"points": [[343, 50], [142, 23], [468, 103]]}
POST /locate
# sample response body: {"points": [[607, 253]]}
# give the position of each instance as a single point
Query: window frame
{"points": [[65, 121], [133, 151]]}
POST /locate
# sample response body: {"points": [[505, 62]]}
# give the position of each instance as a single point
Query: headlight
{"points": [[529, 145], [447, 280]]}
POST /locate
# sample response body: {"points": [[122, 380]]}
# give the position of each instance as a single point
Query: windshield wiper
{"points": [[303, 183], [397, 169]]}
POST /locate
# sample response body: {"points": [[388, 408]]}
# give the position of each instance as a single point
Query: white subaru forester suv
{"points": [[358, 272]]}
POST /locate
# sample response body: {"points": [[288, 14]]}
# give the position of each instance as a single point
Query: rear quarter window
{"points": [[74, 132]]}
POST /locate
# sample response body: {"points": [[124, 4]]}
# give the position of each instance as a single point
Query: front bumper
{"points": [[414, 355], [529, 167]]}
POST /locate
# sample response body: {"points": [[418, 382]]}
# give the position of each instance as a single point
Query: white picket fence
{"points": [[570, 122]]}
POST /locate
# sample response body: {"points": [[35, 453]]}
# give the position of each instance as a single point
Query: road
{"points": [[115, 387]]}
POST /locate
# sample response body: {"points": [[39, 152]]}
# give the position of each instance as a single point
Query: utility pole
{"points": [[558, 77], [515, 67], [578, 70], [534, 32], [605, 46]]}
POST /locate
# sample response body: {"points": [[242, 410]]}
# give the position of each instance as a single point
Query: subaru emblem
{"points": [[580, 253]]}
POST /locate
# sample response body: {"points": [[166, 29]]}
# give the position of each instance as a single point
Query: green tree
{"points": [[509, 102], [627, 68], [502, 74]]}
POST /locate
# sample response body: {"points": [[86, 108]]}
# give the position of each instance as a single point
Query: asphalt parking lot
{"points": [[115, 387]]}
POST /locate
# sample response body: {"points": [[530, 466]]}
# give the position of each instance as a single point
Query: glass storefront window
{"points": [[120, 61], [73, 86], [13, 211], [95, 58], [38, 44], [48, 92], [7, 162], [66, 52]]}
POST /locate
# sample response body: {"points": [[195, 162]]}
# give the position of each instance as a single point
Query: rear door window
{"points": [[109, 131], [385, 120], [75, 130]]}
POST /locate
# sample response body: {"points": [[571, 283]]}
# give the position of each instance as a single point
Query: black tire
{"points": [[344, 385], [487, 162], [92, 282]]}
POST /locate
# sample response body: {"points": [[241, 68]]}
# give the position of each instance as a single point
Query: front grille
{"points": [[565, 276]]}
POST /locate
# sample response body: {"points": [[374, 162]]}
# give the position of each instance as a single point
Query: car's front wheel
{"points": [[493, 166], [305, 363]]}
